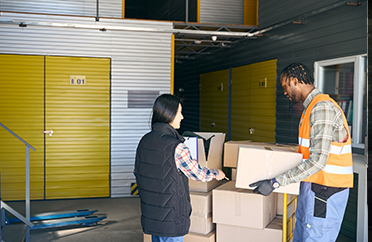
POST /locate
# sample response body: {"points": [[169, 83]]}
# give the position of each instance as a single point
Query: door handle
{"points": [[50, 132]]}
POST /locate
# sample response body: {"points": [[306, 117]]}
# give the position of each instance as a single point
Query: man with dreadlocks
{"points": [[326, 173]]}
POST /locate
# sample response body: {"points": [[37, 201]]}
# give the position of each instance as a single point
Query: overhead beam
{"points": [[99, 26]]}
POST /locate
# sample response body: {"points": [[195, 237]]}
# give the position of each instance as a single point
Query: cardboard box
{"points": [[193, 237], [201, 225], [214, 160], [214, 157], [147, 238], [196, 186], [233, 174], [190, 237], [201, 203], [201, 216], [263, 162], [242, 207], [272, 233], [231, 150]]}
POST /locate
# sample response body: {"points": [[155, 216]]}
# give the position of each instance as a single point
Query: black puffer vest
{"points": [[163, 189]]}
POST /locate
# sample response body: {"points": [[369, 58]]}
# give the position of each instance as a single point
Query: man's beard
{"points": [[294, 98]]}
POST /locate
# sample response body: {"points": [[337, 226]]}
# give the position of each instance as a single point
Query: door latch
{"points": [[50, 132]]}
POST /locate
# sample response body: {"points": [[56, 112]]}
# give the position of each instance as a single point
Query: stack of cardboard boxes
{"points": [[241, 215], [202, 228], [230, 211]]}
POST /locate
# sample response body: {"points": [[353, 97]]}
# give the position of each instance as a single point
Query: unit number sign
{"points": [[77, 80]]}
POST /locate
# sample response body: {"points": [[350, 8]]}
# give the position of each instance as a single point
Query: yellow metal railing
{"points": [[288, 234]]}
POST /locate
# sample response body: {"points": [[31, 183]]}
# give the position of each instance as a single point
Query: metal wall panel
{"points": [[110, 8], [273, 12], [107, 8], [140, 61], [187, 88], [222, 11]]}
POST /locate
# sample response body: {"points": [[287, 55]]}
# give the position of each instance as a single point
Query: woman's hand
{"points": [[221, 175]]}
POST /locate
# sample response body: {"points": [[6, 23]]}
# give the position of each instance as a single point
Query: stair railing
{"points": [[7, 207]]}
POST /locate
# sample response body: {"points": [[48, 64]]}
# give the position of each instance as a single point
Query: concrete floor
{"points": [[122, 222]]}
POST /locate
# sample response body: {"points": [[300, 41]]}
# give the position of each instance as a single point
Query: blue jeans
{"points": [[166, 239], [319, 214]]}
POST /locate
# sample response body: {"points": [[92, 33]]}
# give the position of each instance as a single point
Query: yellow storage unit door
{"points": [[22, 111], [214, 99], [240, 103], [77, 110], [253, 102], [263, 94]]}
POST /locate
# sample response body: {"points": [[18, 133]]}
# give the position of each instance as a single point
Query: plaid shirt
{"points": [[190, 167], [326, 126]]}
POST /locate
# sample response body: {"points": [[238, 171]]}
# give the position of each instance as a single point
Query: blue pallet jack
{"points": [[83, 217], [11, 228]]}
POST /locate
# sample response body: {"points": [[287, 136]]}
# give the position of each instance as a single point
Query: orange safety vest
{"points": [[338, 171]]}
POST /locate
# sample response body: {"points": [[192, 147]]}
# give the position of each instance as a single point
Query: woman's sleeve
{"points": [[190, 167]]}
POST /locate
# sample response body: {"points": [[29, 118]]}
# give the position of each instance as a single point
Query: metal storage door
{"points": [[253, 102], [77, 100], [22, 111], [240, 102], [214, 98]]}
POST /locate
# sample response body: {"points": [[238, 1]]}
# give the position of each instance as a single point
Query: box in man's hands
{"points": [[264, 162]]}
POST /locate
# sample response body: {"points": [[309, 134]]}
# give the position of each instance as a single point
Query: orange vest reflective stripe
{"points": [[338, 171]]}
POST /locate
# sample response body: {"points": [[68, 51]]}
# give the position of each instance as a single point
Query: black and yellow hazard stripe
{"points": [[134, 189]]}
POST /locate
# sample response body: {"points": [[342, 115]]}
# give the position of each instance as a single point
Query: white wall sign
{"points": [[77, 80]]}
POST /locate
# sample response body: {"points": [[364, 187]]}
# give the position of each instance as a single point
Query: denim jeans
{"points": [[166, 239]]}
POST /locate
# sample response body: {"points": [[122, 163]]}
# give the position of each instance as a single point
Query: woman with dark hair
{"points": [[163, 167]]}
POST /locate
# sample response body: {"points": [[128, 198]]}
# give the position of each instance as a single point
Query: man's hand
{"points": [[263, 187], [221, 175]]}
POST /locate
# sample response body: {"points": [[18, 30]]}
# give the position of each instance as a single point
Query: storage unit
{"points": [[240, 101], [21, 110], [214, 94], [139, 71], [253, 102]]}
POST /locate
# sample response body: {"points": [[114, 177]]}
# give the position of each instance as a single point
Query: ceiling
{"points": [[195, 40]]}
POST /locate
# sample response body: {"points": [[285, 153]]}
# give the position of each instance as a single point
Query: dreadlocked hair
{"points": [[299, 71]]}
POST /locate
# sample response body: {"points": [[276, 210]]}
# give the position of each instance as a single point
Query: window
{"points": [[344, 79]]}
